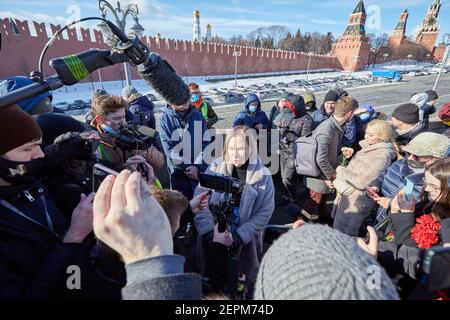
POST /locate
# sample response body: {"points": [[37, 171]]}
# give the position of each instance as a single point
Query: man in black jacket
{"points": [[37, 242]]}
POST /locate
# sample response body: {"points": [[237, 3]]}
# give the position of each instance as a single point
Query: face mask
{"points": [[416, 166], [365, 117], [252, 108], [109, 130], [195, 98], [16, 172]]}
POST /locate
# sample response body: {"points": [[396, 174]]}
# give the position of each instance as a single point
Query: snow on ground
{"points": [[83, 91]]}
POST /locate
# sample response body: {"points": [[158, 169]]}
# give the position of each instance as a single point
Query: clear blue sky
{"points": [[174, 18]]}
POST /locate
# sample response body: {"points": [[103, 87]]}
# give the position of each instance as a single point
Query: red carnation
{"points": [[425, 232]]}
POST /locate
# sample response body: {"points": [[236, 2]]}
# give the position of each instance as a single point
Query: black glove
{"points": [[69, 145]]}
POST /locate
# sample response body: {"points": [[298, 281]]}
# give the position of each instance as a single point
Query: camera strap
{"points": [[235, 219], [20, 213]]}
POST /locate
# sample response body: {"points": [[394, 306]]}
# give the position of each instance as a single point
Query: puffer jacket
{"points": [[393, 181], [293, 125], [143, 111], [174, 129], [246, 118]]}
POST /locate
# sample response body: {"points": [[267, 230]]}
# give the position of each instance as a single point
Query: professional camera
{"points": [[134, 137], [223, 211], [435, 268]]}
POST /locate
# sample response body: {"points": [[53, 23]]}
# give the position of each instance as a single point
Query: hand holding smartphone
{"points": [[99, 173], [409, 189]]}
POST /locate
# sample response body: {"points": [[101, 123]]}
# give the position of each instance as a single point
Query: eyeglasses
{"points": [[431, 186]]}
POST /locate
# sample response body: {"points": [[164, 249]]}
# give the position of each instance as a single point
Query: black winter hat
{"points": [[331, 96], [54, 124], [407, 113], [16, 128], [341, 92], [432, 95]]}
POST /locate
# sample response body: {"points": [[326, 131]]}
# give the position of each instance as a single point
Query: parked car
{"points": [[209, 101], [231, 97], [151, 96]]}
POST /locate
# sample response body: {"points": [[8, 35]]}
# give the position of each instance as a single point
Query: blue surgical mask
{"points": [[195, 98], [365, 117], [108, 129], [252, 108]]}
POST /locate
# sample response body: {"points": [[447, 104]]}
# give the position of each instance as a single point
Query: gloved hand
{"points": [[74, 145]]}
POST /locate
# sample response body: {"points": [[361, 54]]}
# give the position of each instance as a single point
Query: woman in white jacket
{"points": [[352, 206]]}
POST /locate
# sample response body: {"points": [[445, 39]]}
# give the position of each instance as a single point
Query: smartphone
{"points": [[409, 188], [273, 232], [99, 173]]}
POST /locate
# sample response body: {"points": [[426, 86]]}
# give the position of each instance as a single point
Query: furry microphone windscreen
{"points": [[162, 77]]}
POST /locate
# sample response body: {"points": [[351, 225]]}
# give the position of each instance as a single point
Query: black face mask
{"points": [[16, 172], [416, 165]]}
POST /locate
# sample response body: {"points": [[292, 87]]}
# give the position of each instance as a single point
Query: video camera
{"points": [[223, 211], [435, 268], [133, 137]]}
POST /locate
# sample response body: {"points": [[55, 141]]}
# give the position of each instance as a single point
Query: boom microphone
{"points": [[159, 74]]}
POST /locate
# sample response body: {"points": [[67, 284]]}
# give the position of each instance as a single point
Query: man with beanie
{"points": [[310, 102], [252, 116], [315, 262], [35, 105], [293, 123], [39, 243], [406, 121], [140, 106], [327, 108], [423, 150], [202, 106], [328, 135]]}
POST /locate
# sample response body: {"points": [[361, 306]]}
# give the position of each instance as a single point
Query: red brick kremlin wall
{"points": [[19, 53]]}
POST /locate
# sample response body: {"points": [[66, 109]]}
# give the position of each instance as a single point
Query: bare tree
{"points": [[275, 34], [217, 39], [239, 41], [378, 47]]}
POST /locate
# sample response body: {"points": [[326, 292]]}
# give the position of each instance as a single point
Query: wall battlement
{"points": [[21, 49]]}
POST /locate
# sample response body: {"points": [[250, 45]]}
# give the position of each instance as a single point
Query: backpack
{"points": [[305, 152]]}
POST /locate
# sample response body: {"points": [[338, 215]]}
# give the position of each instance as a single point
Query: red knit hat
{"points": [[16, 128], [444, 114], [193, 86]]}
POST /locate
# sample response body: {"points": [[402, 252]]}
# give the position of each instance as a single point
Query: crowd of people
{"points": [[152, 230]]}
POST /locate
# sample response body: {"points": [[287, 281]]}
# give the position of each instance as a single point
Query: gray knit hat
{"points": [[319, 263], [429, 144], [128, 91]]}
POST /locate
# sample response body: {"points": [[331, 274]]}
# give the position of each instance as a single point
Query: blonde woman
{"points": [[240, 160], [352, 206]]}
